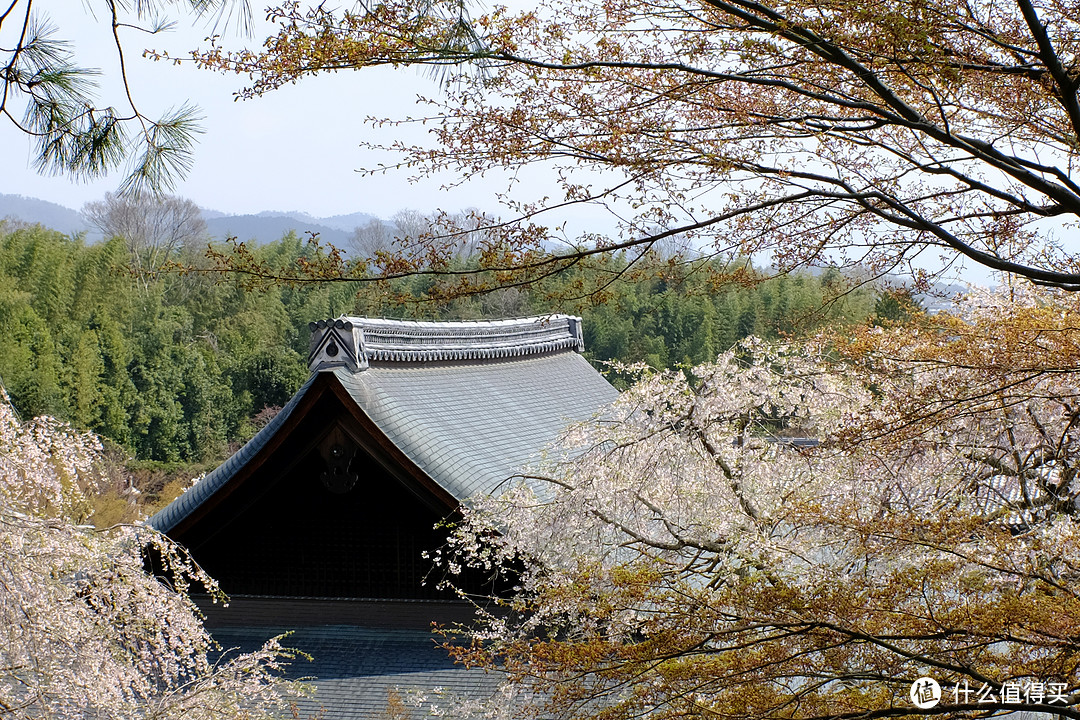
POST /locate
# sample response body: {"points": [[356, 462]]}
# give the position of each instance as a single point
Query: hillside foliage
{"points": [[173, 369], [182, 368]]}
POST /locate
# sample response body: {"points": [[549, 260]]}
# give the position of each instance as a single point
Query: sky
{"points": [[294, 149]]}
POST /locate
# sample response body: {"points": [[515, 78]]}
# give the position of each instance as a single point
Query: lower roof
{"points": [[356, 672]]}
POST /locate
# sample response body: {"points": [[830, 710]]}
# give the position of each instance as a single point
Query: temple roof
{"points": [[458, 409], [469, 404], [471, 426]]}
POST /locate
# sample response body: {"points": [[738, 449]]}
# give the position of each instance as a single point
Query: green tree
{"points": [[895, 305]]}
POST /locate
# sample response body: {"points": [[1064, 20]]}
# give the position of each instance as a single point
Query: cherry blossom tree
{"points": [[85, 631], [698, 556]]}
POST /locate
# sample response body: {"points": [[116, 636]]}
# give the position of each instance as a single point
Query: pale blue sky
{"points": [[296, 149]]}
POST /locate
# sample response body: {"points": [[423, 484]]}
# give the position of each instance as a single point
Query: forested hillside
{"points": [[183, 368], [170, 368]]}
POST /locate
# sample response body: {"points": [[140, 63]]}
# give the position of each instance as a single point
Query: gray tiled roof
{"points": [[381, 339], [470, 426], [354, 670]]}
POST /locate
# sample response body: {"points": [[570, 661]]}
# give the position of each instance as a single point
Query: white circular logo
{"points": [[925, 693]]}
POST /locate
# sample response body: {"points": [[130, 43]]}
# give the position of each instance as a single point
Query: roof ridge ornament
{"points": [[354, 342], [336, 343]]}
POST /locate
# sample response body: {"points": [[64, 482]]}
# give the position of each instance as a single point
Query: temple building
{"points": [[318, 525]]}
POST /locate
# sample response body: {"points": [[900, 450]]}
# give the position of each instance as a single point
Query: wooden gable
{"points": [[326, 511]]}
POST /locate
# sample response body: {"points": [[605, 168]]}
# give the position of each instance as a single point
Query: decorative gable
{"points": [[336, 343]]}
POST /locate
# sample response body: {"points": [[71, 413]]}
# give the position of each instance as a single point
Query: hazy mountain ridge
{"points": [[346, 223], [269, 228], [263, 227], [42, 212]]}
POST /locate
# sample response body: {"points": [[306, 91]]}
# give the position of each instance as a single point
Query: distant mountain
{"points": [[41, 212], [267, 228], [261, 228], [209, 215], [345, 223], [348, 222]]}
